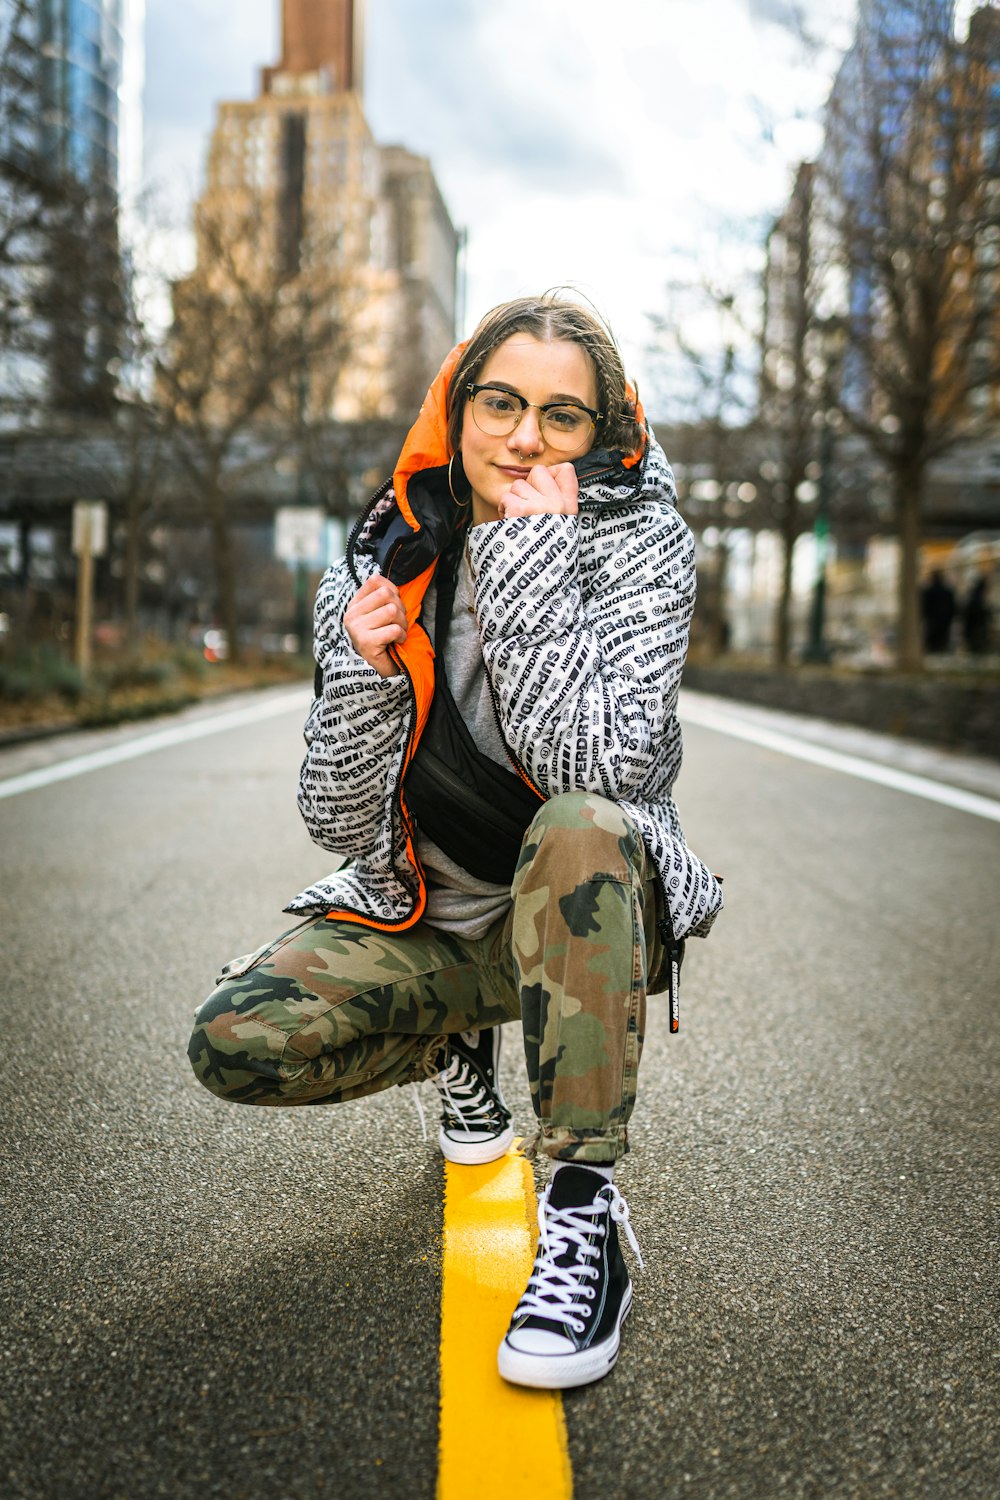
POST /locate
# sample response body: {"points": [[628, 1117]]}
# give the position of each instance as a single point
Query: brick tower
{"points": [[301, 190], [321, 37]]}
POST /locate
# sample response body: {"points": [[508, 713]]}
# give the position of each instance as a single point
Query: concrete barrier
{"points": [[959, 713]]}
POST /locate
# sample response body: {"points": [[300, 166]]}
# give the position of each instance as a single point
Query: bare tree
{"points": [[256, 352], [140, 429], [789, 396], [710, 400], [23, 204], [911, 180]]}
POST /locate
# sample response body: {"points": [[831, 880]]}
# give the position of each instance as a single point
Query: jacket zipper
{"points": [[600, 474], [410, 831], [358, 526], [407, 920], [356, 530], [514, 762]]}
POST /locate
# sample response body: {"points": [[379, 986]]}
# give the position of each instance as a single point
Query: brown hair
{"points": [[550, 317]]}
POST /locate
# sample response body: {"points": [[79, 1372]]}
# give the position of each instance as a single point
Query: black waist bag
{"points": [[476, 811]]}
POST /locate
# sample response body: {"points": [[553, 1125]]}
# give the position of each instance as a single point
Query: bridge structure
{"points": [[43, 472], [961, 495], [337, 465]]}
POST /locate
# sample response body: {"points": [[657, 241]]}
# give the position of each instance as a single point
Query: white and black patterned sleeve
{"points": [[584, 623], [354, 733]]}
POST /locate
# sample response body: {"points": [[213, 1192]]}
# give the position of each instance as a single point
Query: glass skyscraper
{"points": [[82, 44], [896, 44], [70, 142]]}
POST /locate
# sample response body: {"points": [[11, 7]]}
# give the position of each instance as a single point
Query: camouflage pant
{"points": [[332, 1010]]}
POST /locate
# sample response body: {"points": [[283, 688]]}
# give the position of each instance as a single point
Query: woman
{"points": [[492, 746]]}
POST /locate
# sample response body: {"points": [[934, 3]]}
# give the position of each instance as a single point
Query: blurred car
{"points": [[215, 645]]}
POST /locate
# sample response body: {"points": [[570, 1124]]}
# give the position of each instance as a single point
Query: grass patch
{"points": [[40, 674], [40, 688]]}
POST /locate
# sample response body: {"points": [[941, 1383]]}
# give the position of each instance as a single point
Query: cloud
{"points": [[778, 12], [800, 16], [198, 52], [820, 28], [501, 86]]}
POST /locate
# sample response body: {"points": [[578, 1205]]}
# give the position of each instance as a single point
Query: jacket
{"points": [[584, 626]]}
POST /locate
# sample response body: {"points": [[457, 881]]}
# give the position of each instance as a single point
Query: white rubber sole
{"points": [[476, 1153], [560, 1372]]}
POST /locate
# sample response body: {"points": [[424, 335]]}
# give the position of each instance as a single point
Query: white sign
{"points": [[300, 533], [90, 527]]}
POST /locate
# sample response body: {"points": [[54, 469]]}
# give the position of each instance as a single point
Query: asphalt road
{"points": [[201, 1300]]}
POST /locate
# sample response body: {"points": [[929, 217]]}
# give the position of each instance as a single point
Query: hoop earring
{"points": [[461, 504]]}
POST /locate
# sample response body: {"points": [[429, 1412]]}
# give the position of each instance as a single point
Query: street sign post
{"points": [[299, 533], [300, 538], [90, 540]]}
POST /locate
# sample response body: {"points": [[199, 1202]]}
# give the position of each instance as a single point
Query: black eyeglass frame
{"points": [[546, 406]]}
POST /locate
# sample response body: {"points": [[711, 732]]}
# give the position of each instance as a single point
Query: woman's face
{"points": [[540, 372]]}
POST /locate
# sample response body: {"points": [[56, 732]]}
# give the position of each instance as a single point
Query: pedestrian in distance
{"points": [[492, 747], [937, 607], [977, 617]]}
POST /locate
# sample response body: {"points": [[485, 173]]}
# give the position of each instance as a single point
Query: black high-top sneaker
{"points": [[475, 1120], [566, 1329]]}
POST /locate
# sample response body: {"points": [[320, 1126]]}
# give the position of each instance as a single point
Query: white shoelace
{"points": [[554, 1292], [420, 1110], [470, 1104]]}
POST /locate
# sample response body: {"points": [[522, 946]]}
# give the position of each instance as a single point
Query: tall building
{"points": [[302, 160], [324, 37], [955, 132], [70, 125], [22, 367], [20, 60], [83, 51], [788, 290], [897, 45], [903, 321]]}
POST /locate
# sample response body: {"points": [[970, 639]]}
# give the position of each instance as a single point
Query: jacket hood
{"points": [[426, 445]]}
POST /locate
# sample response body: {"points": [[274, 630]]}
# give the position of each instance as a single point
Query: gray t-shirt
{"points": [[456, 901]]}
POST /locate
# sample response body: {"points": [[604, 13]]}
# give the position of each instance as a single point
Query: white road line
{"points": [[163, 739], [835, 760], [692, 712]]}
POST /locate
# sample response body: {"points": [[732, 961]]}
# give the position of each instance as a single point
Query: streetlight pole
{"points": [[817, 651], [831, 333]]}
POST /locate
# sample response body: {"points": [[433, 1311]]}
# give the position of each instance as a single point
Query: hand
{"points": [[374, 620], [545, 492]]}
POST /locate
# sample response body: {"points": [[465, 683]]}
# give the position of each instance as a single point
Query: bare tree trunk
{"points": [[132, 514], [790, 518], [907, 483], [222, 554], [25, 598], [783, 612], [719, 640]]}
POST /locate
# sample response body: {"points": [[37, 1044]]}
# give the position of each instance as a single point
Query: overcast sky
{"points": [[614, 146]]}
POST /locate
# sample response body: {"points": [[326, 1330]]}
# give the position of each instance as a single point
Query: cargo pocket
{"points": [[237, 967]]}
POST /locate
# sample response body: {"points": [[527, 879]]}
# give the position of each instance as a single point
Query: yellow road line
{"points": [[498, 1441]]}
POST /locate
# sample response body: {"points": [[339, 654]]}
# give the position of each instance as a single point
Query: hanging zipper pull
{"points": [[674, 989], [675, 957]]}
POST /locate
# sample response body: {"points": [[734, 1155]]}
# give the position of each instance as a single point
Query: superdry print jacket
{"points": [[584, 626]]}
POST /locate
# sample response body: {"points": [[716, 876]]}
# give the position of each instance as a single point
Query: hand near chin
{"points": [[545, 492]]}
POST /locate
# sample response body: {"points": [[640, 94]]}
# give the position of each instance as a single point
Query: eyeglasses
{"points": [[564, 425]]}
